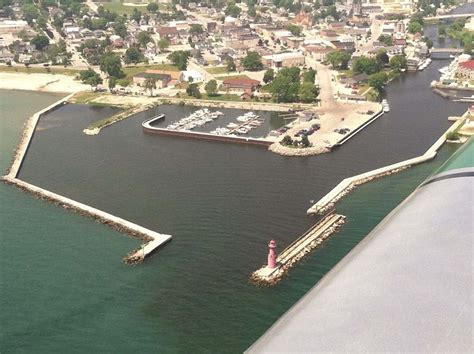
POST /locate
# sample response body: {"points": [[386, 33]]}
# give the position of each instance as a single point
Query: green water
{"points": [[64, 289]]}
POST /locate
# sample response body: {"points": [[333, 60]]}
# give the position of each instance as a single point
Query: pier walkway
{"points": [[298, 249], [153, 239]]}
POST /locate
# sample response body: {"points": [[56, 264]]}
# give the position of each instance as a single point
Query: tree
{"points": [[133, 55], [112, 83], [196, 29], [287, 140], [231, 65], [40, 41], [90, 77], [110, 63], [120, 30], [398, 62], [442, 30], [150, 84], [309, 75], [232, 10], [193, 91], [180, 58], [386, 39], [307, 92], [143, 38], [378, 81], [268, 76], [163, 43], [365, 65], [211, 87], [428, 41], [136, 15], [152, 7], [30, 13], [305, 141], [285, 87], [252, 62], [382, 57], [415, 27], [339, 59], [294, 29], [251, 11]]}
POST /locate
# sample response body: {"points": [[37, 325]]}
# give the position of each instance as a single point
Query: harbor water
{"points": [[63, 285]]}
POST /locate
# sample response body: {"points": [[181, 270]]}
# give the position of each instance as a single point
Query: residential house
{"points": [[240, 84], [161, 80]]}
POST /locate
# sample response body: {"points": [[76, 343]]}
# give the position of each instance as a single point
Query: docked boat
{"points": [[385, 106]]}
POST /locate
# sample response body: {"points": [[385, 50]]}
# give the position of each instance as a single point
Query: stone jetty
{"points": [[153, 240], [287, 259]]}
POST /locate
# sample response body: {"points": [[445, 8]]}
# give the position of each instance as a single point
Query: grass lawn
{"points": [[84, 97], [219, 97], [130, 71], [232, 77], [216, 70], [346, 73], [38, 70], [121, 9], [363, 88]]}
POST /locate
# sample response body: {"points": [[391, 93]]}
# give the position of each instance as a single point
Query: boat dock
{"points": [[310, 240], [153, 240], [148, 128]]}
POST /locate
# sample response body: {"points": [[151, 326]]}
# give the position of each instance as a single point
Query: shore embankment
{"points": [[347, 185], [153, 239]]}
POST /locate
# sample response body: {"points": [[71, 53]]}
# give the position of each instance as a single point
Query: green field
{"points": [[121, 9], [216, 70], [130, 71]]}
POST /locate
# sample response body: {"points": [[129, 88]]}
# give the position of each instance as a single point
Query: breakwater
{"points": [[153, 240], [298, 249], [348, 184], [148, 128]]}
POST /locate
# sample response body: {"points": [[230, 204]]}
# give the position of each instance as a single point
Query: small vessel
{"points": [[385, 106]]}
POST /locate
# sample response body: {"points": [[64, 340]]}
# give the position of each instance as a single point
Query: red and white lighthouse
{"points": [[272, 255]]}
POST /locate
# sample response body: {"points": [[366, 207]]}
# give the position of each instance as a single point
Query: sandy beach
{"points": [[41, 82]]}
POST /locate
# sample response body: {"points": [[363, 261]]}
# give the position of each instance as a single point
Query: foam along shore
{"points": [[153, 239], [40, 82], [348, 184]]}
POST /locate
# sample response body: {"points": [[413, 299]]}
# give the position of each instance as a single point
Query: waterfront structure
{"points": [[240, 84], [406, 287], [272, 256], [465, 70]]}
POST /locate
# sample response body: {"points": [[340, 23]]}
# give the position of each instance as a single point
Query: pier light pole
{"points": [[272, 255]]}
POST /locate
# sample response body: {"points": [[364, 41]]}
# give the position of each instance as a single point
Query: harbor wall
{"points": [[348, 184], [153, 239], [207, 136], [27, 135]]}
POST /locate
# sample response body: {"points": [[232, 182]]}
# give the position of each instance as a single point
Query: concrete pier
{"points": [[346, 185], [147, 128], [299, 248], [153, 239]]}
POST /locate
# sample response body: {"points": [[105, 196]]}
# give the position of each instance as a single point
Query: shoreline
{"points": [[41, 82]]}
